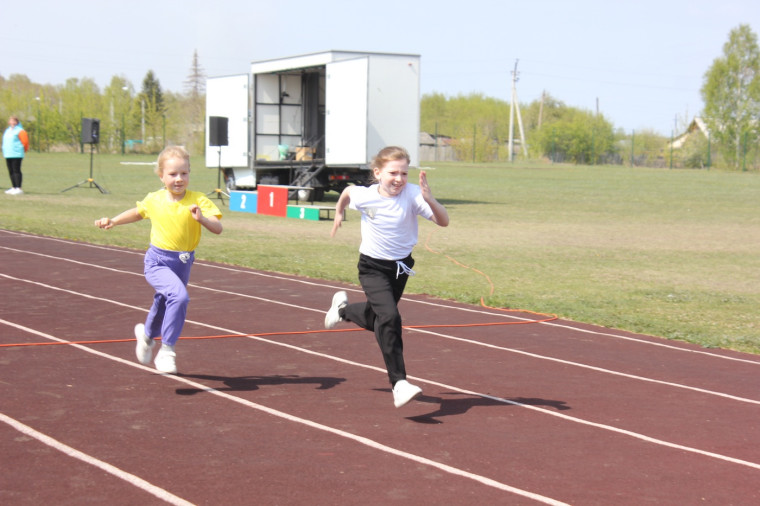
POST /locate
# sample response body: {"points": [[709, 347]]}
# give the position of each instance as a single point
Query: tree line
{"points": [[131, 120], [477, 127]]}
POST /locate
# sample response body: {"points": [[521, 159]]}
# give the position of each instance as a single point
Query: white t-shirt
{"points": [[389, 224]]}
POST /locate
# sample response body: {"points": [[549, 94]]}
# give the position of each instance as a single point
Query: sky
{"points": [[639, 63]]}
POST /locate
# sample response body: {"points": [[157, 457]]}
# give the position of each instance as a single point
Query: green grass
{"points": [[671, 253]]}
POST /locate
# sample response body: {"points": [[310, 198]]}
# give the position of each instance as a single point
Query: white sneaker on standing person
{"points": [[15, 145]]}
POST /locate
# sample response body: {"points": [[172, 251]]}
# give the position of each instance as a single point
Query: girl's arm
{"points": [[440, 215], [129, 216], [340, 208], [212, 223]]}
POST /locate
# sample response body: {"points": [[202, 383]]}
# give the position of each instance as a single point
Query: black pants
{"points": [[14, 171], [380, 312]]}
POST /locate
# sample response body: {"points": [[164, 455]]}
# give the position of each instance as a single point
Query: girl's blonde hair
{"points": [[171, 152], [388, 154]]}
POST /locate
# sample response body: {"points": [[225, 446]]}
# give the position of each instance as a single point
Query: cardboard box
{"points": [[304, 153]]}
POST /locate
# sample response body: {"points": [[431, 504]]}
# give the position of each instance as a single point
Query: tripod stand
{"points": [[89, 180], [218, 192]]}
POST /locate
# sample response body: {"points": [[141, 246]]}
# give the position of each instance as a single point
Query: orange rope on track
{"points": [[184, 338], [288, 333], [542, 317], [284, 333], [54, 343]]}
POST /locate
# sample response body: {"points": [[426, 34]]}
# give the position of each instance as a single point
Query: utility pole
{"points": [[541, 109], [514, 105]]}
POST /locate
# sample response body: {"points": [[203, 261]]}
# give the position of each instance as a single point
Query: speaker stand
{"points": [[218, 192], [90, 179]]}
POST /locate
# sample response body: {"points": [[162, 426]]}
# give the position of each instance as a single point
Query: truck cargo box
{"points": [[314, 120]]}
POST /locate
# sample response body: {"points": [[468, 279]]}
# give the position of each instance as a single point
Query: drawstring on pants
{"points": [[401, 267]]}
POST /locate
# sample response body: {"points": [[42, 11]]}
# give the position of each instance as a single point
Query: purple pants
{"points": [[168, 273]]}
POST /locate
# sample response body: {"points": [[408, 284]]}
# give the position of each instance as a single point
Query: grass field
{"points": [[671, 253]]}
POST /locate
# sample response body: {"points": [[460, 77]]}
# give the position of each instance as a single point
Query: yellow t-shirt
{"points": [[173, 227]]}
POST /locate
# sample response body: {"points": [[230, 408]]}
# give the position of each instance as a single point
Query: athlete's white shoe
{"points": [[144, 348], [166, 360], [403, 392], [340, 300]]}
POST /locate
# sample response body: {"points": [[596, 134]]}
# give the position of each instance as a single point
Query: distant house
{"points": [[697, 126], [436, 148]]}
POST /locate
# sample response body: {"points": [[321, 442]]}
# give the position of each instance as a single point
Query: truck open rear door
{"points": [[228, 97], [346, 109]]}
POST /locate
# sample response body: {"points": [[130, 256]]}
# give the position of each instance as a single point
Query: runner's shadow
{"points": [[250, 383], [451, 407]]}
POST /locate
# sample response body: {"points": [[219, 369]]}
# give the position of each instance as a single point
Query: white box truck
{"points": [[312, 121]]}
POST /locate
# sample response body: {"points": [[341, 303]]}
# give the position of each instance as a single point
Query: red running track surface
{"points": [[287, 413]]}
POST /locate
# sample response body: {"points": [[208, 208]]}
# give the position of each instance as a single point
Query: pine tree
{"points": [[195, 85], [153, 111]]}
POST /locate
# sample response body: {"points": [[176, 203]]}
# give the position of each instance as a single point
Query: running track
{"points": [[287, 413]]}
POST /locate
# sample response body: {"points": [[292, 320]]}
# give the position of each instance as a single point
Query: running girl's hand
{"points": [[440, 215], [340, 208], [211, 223], [427, 193], [336, 223], [196, 212], [128, 216], [104, 223]]}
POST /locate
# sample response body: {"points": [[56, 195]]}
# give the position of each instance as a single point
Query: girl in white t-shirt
{"points": [[389, 232]]}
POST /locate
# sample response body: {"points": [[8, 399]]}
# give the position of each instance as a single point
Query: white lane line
{"points": [[613, 429], [593, 368], [437, 334], [130, 478], [303, 421], [609, 428], [327, 285]]}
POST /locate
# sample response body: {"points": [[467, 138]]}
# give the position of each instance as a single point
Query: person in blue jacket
{"points": [[15, 144]]}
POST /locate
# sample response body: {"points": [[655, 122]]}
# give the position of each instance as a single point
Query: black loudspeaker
{"points": [[90, 130], [217, 131]]}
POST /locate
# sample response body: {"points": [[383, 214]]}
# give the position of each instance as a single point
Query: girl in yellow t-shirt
{"points": [[176, 216]]}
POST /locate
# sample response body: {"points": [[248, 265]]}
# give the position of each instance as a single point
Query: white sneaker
{"points": [[403, 392], [144, 348], [339, 301], [17, 191], [166, 360]]}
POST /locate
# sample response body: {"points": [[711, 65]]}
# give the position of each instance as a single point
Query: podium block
{"points": [[245, 202], [272, 200], [303, 212]]}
